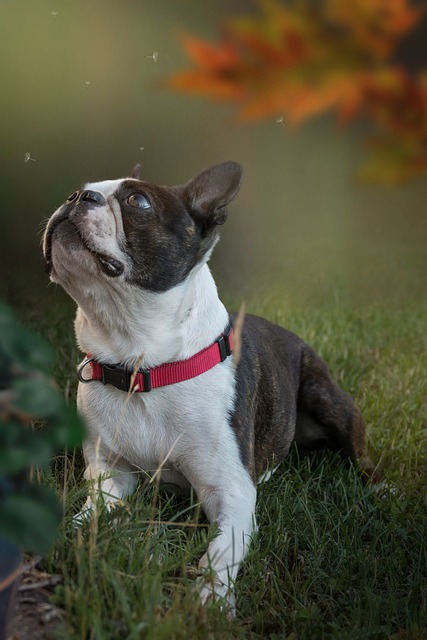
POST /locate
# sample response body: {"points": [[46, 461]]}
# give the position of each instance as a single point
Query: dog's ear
{"points": [[136, 173], [209, 193]]}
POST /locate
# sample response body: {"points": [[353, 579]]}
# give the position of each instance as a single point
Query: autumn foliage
{"points": [[306, 58]]}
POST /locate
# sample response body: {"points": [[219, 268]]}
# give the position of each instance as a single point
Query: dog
{"points": [[159, 388]]}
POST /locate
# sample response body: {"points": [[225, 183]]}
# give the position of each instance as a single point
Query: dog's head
{"points": [[146, 235]]}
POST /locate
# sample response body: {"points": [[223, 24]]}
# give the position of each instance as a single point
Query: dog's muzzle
{"points": [[75, 205]]}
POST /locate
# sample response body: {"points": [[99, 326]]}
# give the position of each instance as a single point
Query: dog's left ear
{"points": [[136, 173], [209, 193]]}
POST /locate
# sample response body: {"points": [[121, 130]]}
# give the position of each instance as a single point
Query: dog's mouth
{"points": [[47, 244], [109, 266]]}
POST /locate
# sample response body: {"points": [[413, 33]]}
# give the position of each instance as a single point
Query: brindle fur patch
{"points": [[285, 390], [179, 228]]}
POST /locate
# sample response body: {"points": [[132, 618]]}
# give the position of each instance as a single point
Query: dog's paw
{"points": [[82, 516], [213, 590], [386, 490]]}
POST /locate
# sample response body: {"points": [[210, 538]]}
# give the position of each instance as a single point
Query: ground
{"points": [[35, 617]]}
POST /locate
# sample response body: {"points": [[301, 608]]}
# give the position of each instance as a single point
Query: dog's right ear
{"points": [[209, 193]]}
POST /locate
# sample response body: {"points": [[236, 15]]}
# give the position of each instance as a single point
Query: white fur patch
{"points": [[182, 429], [181, 433], [106, 187]]}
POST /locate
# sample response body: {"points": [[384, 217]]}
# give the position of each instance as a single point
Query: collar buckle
{"points": [[223, 343], [146, 377], [117, 375]]}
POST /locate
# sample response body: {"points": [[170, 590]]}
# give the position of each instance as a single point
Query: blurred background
{"points": [[83, 96]]}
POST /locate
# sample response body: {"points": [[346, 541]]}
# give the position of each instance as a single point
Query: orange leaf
{"points": [[299, 100], [211, 57], [314, 100], [376, 25], [212, 86], [306, 58], [291, 51]]}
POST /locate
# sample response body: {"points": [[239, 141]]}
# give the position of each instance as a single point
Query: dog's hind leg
{"points": [[328, 417]]}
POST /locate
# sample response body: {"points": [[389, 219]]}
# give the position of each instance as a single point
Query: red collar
{"points": [[144, 380]]}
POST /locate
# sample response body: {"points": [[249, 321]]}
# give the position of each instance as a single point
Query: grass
{"points": [[332, 559]]}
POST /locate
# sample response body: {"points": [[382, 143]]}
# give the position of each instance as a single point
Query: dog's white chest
{"points": [[159, 429]]}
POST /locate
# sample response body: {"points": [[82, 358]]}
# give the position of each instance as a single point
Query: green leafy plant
{"points": [[35, 422]]}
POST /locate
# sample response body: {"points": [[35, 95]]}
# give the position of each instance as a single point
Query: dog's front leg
{"points": [[111, 477], [232, 508]]}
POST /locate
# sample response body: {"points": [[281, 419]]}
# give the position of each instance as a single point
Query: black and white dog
{"points": [[159, 388]]}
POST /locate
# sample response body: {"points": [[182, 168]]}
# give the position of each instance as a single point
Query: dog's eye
{"points": [[139, 201]]}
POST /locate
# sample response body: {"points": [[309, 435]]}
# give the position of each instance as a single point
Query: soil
{"points": [[35, 617]]}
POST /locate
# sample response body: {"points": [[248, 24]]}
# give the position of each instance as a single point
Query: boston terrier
{"points": [[160, 389]]}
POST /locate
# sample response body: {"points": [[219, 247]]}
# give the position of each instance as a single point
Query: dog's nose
{"points": [[91, 196]]}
